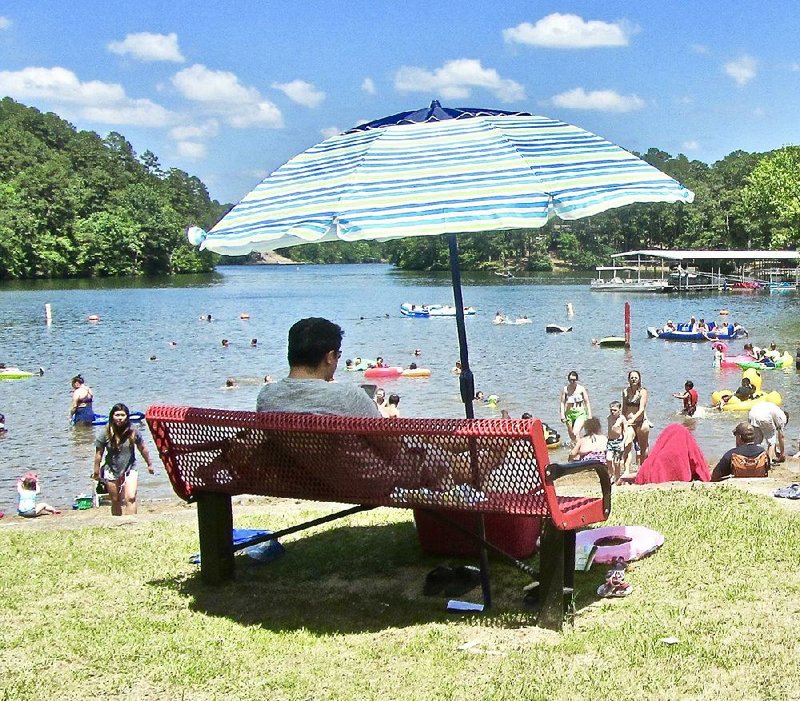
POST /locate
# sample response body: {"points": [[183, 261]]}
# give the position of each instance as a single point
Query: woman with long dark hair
{"points": [[119, 443]]}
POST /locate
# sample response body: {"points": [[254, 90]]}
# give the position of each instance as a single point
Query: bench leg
{"points": [[215, 525], [486, 587], [557, 576]]}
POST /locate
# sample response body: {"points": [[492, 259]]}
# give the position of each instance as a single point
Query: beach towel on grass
{"points": [[675, 457]]}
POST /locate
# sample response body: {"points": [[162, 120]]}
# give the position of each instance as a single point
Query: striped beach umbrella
{"points": [[438, 171]]}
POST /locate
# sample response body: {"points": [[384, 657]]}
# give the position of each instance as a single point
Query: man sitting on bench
{"points": [[314, 352]]}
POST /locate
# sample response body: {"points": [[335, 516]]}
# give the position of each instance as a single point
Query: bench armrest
{"points": [[555, 471]]}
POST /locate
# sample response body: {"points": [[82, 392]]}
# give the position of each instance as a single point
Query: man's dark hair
{"points": [[310, 339]]}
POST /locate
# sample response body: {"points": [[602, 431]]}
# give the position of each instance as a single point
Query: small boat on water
{"points": [[425, 311], [555, 328], [504, 273], [14, 374], [685, 332], [609, 280], [612, 342]]}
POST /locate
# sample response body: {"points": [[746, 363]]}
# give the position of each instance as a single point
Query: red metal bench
{"points": [[438, 465]]}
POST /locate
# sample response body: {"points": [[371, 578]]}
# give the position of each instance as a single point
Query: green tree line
{"points": [[73, 204]]}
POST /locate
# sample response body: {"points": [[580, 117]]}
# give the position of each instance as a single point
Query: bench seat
{"points": [[478, 466]]}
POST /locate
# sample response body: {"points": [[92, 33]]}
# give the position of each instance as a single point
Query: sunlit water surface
{"points": [[522, 364]]}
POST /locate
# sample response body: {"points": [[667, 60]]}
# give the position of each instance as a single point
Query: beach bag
{"points": [[742, 466]]}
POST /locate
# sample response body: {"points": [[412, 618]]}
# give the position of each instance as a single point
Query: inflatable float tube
{"points": [[732, 361], [612, 342], [14, 374], [447, 310], [384, 373], [783, 361], [682, 333], [416, 372], [136, 417], [555, 328], [551, 437], [736, 404], [626, 542]]}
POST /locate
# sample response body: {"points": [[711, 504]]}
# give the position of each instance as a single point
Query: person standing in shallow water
{"points": [[575, 406], [81, 411], [634, 407]]}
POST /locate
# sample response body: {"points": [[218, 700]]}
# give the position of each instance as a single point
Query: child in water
{"points": [[27, 491], [616, 448], [689, 397]]}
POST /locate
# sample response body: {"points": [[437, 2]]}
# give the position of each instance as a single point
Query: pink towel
{"points": [[675, 457]]}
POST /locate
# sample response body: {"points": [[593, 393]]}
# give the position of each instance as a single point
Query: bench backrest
{"points": [[488, 465]]}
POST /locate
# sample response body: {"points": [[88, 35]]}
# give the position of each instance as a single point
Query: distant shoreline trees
{"points": [[74, 204]]}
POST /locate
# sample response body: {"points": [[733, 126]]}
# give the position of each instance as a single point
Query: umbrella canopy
{"points": [[435, 171], [438, 171]]}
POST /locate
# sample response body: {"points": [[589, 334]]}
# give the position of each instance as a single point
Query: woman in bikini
{"points": [[81, 411], [575, 407], [634, 407], [593, 445]]}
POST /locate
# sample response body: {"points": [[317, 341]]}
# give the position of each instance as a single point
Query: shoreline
{"points": [[176, 511]]}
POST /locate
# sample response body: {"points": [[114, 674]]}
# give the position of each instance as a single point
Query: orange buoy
{"points": [[244, 315], [93, 317]]}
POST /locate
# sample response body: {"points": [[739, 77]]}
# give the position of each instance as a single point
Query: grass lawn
{"points": [[118, 612]]}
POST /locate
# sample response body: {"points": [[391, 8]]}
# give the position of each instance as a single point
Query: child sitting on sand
{"points": [[27, 491]]}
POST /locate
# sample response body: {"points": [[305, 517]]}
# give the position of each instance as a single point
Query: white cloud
{"points": [[368, 86], [455, 80], [59, 84], [146, 46], [328, 132], [195, 131], [566, 31], [690, 145], [5, 23], [301, 92], [192, 150], [97, 101], [222, 94], [742, 70], [141, 112], [599, 100]]}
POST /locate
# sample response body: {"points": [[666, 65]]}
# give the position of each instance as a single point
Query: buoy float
{"points": [[244, 315], [93, 317]]}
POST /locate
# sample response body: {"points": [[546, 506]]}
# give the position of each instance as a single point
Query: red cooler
{"points": [[516, 535]]}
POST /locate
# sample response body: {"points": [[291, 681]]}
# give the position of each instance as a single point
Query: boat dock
{"points": [[655, 270]]}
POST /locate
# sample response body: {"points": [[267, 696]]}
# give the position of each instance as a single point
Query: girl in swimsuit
{"points": [[575, 407], [593, 445], [634, 407], [81, 411]]}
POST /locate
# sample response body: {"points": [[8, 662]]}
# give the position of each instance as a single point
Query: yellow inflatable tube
{"points": [[416, 372], [733, 403]]}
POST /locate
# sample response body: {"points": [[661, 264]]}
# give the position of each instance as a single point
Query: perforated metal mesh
{"points": [[486, 465]]}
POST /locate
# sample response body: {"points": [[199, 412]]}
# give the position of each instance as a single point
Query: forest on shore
{"points": [[75, 204]]}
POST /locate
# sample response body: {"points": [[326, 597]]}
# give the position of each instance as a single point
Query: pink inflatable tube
{"points": [[732, 361], [383, 372], [627, 542]]}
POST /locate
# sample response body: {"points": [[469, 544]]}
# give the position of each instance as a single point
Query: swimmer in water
{"points": [[575, 406]]}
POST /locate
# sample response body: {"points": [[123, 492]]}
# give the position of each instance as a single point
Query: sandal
{"points": [[615, 584]]}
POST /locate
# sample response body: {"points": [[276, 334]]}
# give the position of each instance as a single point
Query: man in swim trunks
{"points": [[575, 406], [772, 420]]}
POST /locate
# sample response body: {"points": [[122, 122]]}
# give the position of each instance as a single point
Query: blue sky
{"points": [[228, 91]]}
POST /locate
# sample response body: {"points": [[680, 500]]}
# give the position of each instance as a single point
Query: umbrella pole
{"points": [[467, 386], [466, 380]]}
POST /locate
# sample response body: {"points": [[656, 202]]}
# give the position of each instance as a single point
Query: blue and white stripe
{"points": [[460, 175]]}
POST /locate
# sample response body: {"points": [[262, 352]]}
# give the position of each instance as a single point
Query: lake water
{"points": [[522, 364]]}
